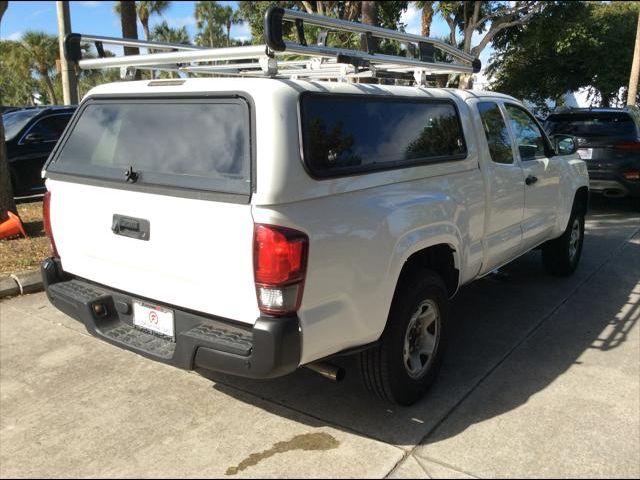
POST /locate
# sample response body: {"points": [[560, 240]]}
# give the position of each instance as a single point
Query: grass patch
{"points": [[20, 254]]}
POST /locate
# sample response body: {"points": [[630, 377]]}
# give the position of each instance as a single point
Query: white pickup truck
{"points": [[254, 226]]}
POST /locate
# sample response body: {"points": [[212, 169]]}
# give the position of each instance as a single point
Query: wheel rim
{"points": [[421, 339], [574, 239]]}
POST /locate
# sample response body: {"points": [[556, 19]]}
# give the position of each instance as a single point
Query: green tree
{"points": [[485, 19], [230, 18], [88, 79], [569, 46], [17, 84], [42, 50], [144, 11], [388, 16], [164, 33], [210, 19]]}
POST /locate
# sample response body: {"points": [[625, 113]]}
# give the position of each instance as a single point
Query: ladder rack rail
{"points": [[299, 59], [275, 16]]}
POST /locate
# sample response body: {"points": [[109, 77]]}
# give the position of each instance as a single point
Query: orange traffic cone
{"points": [[12, 226]]}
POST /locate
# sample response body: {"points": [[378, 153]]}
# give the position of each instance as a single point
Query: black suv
{"points": [[31, 133], [609, 142]]}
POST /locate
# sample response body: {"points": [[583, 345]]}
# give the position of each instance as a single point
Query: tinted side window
{"points": [[351, 134], [51, 127], [530, 139], [495, 129]]}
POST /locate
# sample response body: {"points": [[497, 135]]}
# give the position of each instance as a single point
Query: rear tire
{"points": [[561, 256], [406, 361]]}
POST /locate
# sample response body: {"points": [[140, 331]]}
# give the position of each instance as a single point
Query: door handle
{"points": [[530, 180], [137, 228]]}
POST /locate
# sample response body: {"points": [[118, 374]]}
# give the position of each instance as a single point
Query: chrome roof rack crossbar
{"points": [[273, 30], [287, 58]]}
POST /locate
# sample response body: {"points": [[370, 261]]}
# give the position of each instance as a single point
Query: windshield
{"points": [[201, 144], [15, 121], [593, 123]]}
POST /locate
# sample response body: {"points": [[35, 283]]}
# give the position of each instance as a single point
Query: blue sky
{"points": [[94, 17], [97, 17]]}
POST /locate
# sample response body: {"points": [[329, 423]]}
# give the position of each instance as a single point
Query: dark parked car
{"points": [[609, 141], [31, 133]]}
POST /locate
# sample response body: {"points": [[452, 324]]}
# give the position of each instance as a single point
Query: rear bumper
{"points": [[615, 187], [606, 176], [271, 348]]}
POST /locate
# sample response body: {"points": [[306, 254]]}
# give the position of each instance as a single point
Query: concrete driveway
{"points": [[542, 378]]}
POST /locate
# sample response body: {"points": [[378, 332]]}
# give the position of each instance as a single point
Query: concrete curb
{"points": [[21, 283]]}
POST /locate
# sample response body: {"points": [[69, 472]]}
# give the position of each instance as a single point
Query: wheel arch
{"points": [[441, 258]]}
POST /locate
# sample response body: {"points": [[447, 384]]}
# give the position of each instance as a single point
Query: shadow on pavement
{"points": [[492, 317]]}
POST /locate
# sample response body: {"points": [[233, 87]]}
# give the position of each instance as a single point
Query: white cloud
{"points": [[15, 36], [410, 14], [412, 18], [178, 22], [241, 31], [37, 13]]}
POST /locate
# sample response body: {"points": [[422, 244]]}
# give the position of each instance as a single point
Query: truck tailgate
{"points": [[197, 255]]}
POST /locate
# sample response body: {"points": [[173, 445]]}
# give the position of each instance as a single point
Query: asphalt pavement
{"points": [[542, 379]]}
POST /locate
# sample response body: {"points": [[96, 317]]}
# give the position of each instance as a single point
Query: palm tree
{"points": [[370, 13], [43, 53], [127, 12], [230, 18], [164, 33], [427, 17], [144, 10], [209, 19]]}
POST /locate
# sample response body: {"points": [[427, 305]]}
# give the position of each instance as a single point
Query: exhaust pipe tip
{"points": [[328, 371], [613, 193]]}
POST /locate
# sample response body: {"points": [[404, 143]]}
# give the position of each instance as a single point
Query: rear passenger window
{"points": [[50, 128], [495, 129], [353, 134]]}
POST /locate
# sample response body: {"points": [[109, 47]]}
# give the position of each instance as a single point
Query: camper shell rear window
{"points": [[201, 144]]}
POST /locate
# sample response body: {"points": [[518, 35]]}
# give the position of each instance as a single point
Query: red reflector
{"points": [[632, 175], [46, 219], [627, 146], [280, 255]]}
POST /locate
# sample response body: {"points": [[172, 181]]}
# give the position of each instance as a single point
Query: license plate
{"points": [[585, 153], [154, 318]]}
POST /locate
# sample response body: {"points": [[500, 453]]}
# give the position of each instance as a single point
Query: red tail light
{"points": [[46, 217], [280, 267], [632, 176], [627, 146]]}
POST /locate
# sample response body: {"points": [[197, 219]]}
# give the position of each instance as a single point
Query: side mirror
{"points": [[33, 138], [565, 144]]}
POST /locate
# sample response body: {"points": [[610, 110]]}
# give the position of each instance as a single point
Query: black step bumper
{"points": [[271, 348]]}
